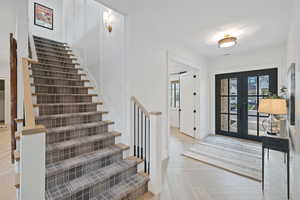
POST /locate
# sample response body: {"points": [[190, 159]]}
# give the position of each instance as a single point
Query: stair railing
{"points": [[146, 142], [30, 155]]}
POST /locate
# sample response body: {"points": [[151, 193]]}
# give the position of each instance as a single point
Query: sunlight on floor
{"points": [[187, 179]]}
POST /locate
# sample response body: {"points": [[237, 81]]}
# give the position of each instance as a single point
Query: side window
{"points": [[175, 94]]}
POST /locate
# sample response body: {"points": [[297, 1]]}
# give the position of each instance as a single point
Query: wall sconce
{"points": [[107, 20]]}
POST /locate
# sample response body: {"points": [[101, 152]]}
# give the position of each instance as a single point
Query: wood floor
{"points": [[187, 179], [7, 190], [184, 178]]}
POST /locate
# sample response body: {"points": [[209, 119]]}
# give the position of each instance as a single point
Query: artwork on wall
{"points": [[291, 93], [43, 16]]}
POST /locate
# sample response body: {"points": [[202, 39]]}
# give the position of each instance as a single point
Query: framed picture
{"points": [[43, 16], [291, 93]]}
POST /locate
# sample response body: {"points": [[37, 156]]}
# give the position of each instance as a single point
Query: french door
{"points": [[237, 99]]}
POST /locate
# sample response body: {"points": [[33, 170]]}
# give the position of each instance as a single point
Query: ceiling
{"points": [[256, 23], [199, 24]]}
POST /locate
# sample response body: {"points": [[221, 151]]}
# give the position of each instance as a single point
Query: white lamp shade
{"points": [[273, 106]]}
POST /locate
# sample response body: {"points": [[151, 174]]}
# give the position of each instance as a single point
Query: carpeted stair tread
{"points": [[66, 104], [58, 72], [123, 189], [50, 45], [58, 61], [81, 141], [57, 78], [92, 178], [60, 166], [58, 66], [47, 39], [57, 44], [43, 117], [44, 54], [138, 160], [45, 45], [63, 51], [72, 95], [61, 86], [79, 126]]}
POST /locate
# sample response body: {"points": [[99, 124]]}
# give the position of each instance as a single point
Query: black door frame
{"points": [[242, 100]]}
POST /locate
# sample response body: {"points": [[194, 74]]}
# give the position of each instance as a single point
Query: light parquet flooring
{"points": [[7, 190], [188, 179], [184, 178]]}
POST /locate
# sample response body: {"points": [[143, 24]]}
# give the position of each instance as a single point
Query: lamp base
{"points": [[270, 133]]}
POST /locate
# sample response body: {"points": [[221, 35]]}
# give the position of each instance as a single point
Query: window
{"points": [[175, 94]]}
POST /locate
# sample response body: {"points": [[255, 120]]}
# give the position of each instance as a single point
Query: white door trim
{"points": [[171, 57]]}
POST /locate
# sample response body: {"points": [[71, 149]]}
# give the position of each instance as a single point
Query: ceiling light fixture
{"points": [[227, 41]]}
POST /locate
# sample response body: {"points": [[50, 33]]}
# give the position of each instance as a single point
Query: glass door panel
{"points": [[233, 126], [228, 112], [252, 126], [224, 122], [252, 85], [264, 85], [258, 88]]}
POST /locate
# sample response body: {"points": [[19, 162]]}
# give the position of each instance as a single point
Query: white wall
{"points": [[150, 33], [57, 32], [101, 54], [8, 25], [150, 37], [146, 73], [293, 55], [270, 57]]}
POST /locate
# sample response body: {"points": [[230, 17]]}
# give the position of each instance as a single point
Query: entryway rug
{"points": [[239, 156]]}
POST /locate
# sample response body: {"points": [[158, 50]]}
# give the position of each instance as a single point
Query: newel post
{"points": [[32, 164], [155, 184]]}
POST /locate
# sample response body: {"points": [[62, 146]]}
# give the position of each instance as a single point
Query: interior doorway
{"points": [[2, 102], [184, 86], [237, 101]]}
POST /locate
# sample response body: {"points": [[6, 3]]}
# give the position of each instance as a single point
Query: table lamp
{"points": [[272, 107]]}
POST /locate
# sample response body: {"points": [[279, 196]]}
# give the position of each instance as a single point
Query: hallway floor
{"points": [[188, 179], [7, 190], [185, 178]]}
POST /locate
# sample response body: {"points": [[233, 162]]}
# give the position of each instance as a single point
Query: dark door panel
{"points": [[237, 100]]}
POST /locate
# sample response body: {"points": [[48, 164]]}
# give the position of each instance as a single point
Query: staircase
{"points": [[83, 162]]}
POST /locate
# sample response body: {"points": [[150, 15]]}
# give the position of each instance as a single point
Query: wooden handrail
{"points": [[28, 102], [136, 101], [13, 92]]}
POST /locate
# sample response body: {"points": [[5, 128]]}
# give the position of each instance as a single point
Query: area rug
{"points": [[239, 156]]}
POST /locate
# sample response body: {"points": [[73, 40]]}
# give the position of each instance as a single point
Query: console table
{"points": [[276, 143]]}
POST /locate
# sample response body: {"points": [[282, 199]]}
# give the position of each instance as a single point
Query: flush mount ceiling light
{"points": [[227, 41], [107, 20]]}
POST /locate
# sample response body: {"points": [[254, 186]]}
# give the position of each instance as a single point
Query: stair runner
{"points": [[83, 162]]}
